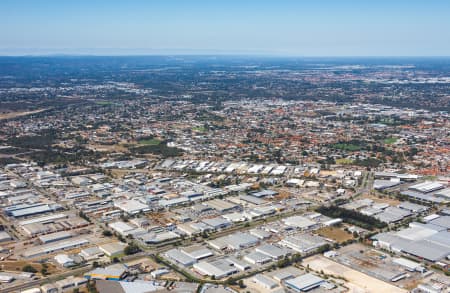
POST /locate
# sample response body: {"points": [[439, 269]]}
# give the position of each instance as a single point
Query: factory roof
{"points": [[427, 186], [265, 281], [299, 222], [197, 251], [180, 257], [272, 250], [55, 236], [218, 268], [305, 282]]}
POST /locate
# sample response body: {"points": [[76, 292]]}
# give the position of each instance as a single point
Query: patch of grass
{"points": [[334, 233], [150, 141], [199, 128], [344, 161], [390, 140], [104, 103], [346, 147]]}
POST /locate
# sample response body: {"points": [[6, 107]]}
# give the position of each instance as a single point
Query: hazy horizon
{"points": [[347, 28]]}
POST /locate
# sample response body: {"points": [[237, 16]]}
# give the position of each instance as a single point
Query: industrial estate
{"points": [[200, 175]]}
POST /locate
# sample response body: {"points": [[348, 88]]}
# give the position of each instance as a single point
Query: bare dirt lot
{"points": [[15, 114], [335, 234], [388, 200], [18, 265], [357, 282]]}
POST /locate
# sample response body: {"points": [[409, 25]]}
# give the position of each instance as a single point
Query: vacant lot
{"points": [[390, 140], [335, 234], [18, 265], [10, 115], [356, 281], [150, 141], [388, 200]]}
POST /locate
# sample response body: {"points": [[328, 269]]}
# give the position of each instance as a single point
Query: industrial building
{"points": [[304, 283], [264, 282], [303, 243], [429, 241], [114, 272], [113, 249], [220, 268], [54, 247]]}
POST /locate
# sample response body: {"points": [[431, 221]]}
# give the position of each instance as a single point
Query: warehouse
{"points": [[4, 236], [91, 253], [180, 257], [219, 269], [412, 207], [272, 251], [197, 251], [392, 215], [264, 282], [44, 219], [260, 233], [410, 265], [53, 237], [299, 222], [221, 205], [303, 243], [264, 193], [304, 283], [113, 249], [257, 258], [217, 223], [114, 272], [234, 241], [121, 227], [64, 260], [54, 247], [132, 206], [380, 184], [25, 210], [427, 187], [155, 238], [37, 227], [425, 241]]}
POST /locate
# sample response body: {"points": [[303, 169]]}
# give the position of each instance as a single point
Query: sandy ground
{"points": [[357, 282], [334, 233], [10, 115]]}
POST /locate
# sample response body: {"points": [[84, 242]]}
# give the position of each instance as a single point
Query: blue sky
{"points": [[277, 27]]}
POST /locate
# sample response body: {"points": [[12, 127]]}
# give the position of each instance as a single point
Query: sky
{"points": [[250, 27]]}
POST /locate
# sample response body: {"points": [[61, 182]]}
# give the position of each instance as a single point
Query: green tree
{"points": [[29, 269]]}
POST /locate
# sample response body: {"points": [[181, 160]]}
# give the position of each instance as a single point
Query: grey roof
{"points": [[240, 240], [180, 257], [443, 221], [305, 282], [432, 248], [268, 282], [272, 250], [263, 193], [257, 257], [427, 250], [413, 207], [392, 214], [216, 222], [421, 196]]}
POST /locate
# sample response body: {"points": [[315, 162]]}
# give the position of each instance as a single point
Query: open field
{"points": [[334, 233], [391, 201], [150, 141], [18, 265], [390, 140], [357, 282], [9, 115], [344, 161]]}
